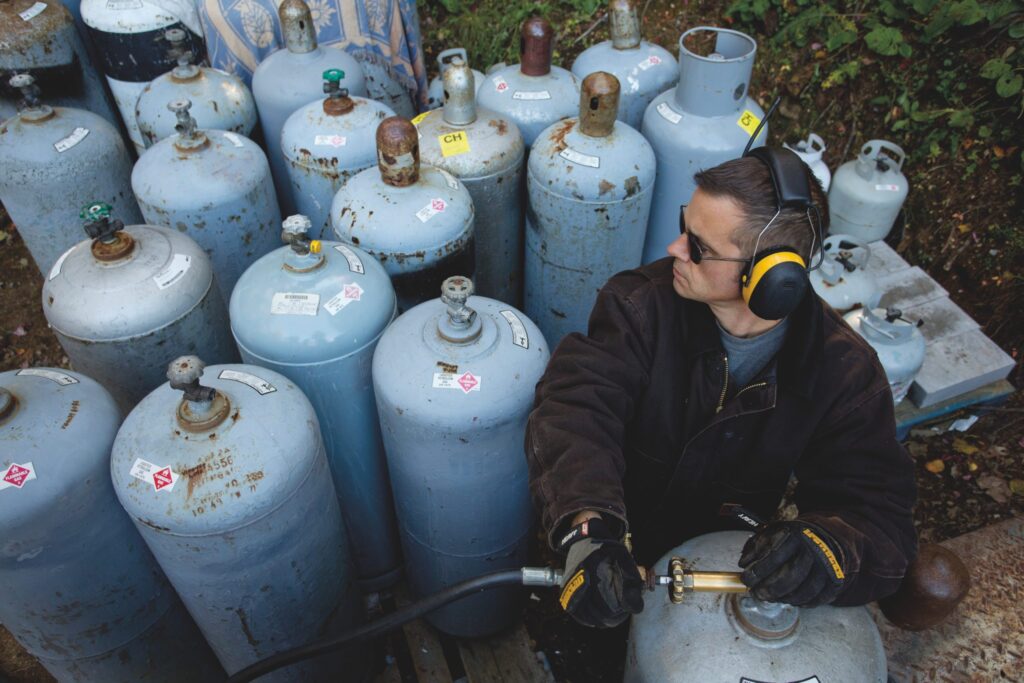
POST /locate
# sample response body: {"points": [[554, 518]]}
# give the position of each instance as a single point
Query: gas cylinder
{"points": [[417, 220], [485, 151], [40, 39], [589, 184], [712, 637], [292, 77], [82, 593], [129, 37], [867, 194], [897, 341], [435, 92], [52, 161], [811, 151], [314, 312], [644, 70], [455, 445], [228, 484], [215, 186], [123, 301], [843, 280], [220, 100], [325, 143], [533, 94], [705, 120]]}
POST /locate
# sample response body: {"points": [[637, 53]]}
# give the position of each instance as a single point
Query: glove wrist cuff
{"points": [[595, 529]]}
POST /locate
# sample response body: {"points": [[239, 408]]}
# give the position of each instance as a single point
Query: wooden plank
{"points": [[506, 658], [908, 415], [424, 646], [390, 674]]}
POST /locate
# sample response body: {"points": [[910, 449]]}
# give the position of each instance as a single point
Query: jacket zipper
{"points": [[751, 386], [725, 386]]}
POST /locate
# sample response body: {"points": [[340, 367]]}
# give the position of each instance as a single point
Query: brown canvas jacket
{"points": [[636, 419]]}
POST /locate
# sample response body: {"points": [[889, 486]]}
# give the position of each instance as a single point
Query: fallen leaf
{"points": [[917, 449], [962, 446], [996, 488], [1017, 486], [972, 466], [19, 331], [935, 466]]}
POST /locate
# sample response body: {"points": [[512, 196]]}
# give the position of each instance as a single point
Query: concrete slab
{"points": [[942, 318], [957, 364], [884, 260], [909, 287]]}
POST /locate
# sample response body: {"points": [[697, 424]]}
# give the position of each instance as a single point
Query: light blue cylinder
{"points": [[316, 319], [82, 593], [644, 71], [531, 102], [245, 522]]}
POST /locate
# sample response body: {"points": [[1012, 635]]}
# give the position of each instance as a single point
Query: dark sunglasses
{"points": [[697, 250]]}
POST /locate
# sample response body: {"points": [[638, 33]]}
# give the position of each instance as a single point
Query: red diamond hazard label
{"points": [[353, 292], [16, 475], [468, 382], [437, 204], [163, 478]]}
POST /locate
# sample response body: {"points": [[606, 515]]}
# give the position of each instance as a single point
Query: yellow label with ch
{"points": [[453, 143], [748, 121]]}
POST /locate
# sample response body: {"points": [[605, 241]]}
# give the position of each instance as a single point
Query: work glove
{"points": [[792, 562], [601, 586]]}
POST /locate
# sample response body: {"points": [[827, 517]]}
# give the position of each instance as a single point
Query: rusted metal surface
{"points": [[624, 24], [599, 104], [297, 27], [935, 583], [122, 244], [398, 152], [536, 43]]}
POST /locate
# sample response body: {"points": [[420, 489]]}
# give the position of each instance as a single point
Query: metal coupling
{"points": [[398, 152], [685, 581], [179, 51], [189, 136], [459, 93], [599, 104], [183, 374], [201, 408], [338, 102], [536, 43], [297, 26], [625, 25], [30, 92], [109, 241], [546, 577], [455, 292]]}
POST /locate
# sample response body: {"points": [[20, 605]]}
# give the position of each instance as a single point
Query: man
{"points": [[680, 399]]}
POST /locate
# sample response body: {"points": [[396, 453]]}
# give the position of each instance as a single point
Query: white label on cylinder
{"points": [[580, 158], [262, 386], [466, 382], [653, 60], [175, 270], [77, 135], [59, 263], [235, 140], [294, 303], [124, 4], [32, 11], [500, 84], [449, 179], [330, 140], [531, 95], [354, 264], [436, 206], [160, 477], [667, 113], [348, 294], [52, 375], [519, 335], [16, 475], [887, 188]]}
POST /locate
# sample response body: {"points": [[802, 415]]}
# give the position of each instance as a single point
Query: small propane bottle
{"points": [[40, 39], [811, 151], [82, 593], [589, 187], [435, 92], [867, 194], [897, 341], [53, 159], [325, 143], [455, 445], [485, 151], [843, 280], [122, 301], [314, 311], [220, 100], [228, 484], [533, 94], [214, 186], [705, 120], [292, 77], [129, 37], [644, 70], [417, 220], [734, 637]]}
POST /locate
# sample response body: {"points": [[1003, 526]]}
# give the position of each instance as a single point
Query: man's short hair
{"points": [[748, 183]]}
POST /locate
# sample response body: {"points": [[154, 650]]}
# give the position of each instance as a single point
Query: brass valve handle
{"points": [[681, 581]]}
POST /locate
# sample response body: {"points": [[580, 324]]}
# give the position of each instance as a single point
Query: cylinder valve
{"points": [[201, 408]]}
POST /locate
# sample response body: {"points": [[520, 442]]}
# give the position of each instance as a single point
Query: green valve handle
{"points": [[334, 75], [95, 211]]}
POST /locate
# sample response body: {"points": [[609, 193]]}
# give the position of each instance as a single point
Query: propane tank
{"points": [[417, 220], [485, 151], [53, 159], [129, 37], [843, 280], [220, 100], [589, 185], [325, 143], [644, 69], [735, 637], [228, 484], [533, 94], [455, 445], [897, 341], [40, 39], [705, 120], [435, 92], [121, 302], [867, 194], [292, 77], [314, 311], [811, 151], [215, 186], [82, 593]]}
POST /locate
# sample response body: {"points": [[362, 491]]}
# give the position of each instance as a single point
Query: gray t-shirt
{"points": [[748, 355]]}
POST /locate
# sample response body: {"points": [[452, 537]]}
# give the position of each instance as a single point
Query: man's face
{"points": [[711, 220]]}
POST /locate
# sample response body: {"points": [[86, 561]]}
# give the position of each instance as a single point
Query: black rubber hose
{"points": [[382, 625]]}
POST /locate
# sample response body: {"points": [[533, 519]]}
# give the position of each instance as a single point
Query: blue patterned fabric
{"points": [[240, 33]]}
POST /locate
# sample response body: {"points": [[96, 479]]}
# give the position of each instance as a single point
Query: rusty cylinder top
{"points": [[934, 584], [398, 152], [599, 104], [536, 41], [459, 93], [297, 26], [625, 25]]}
